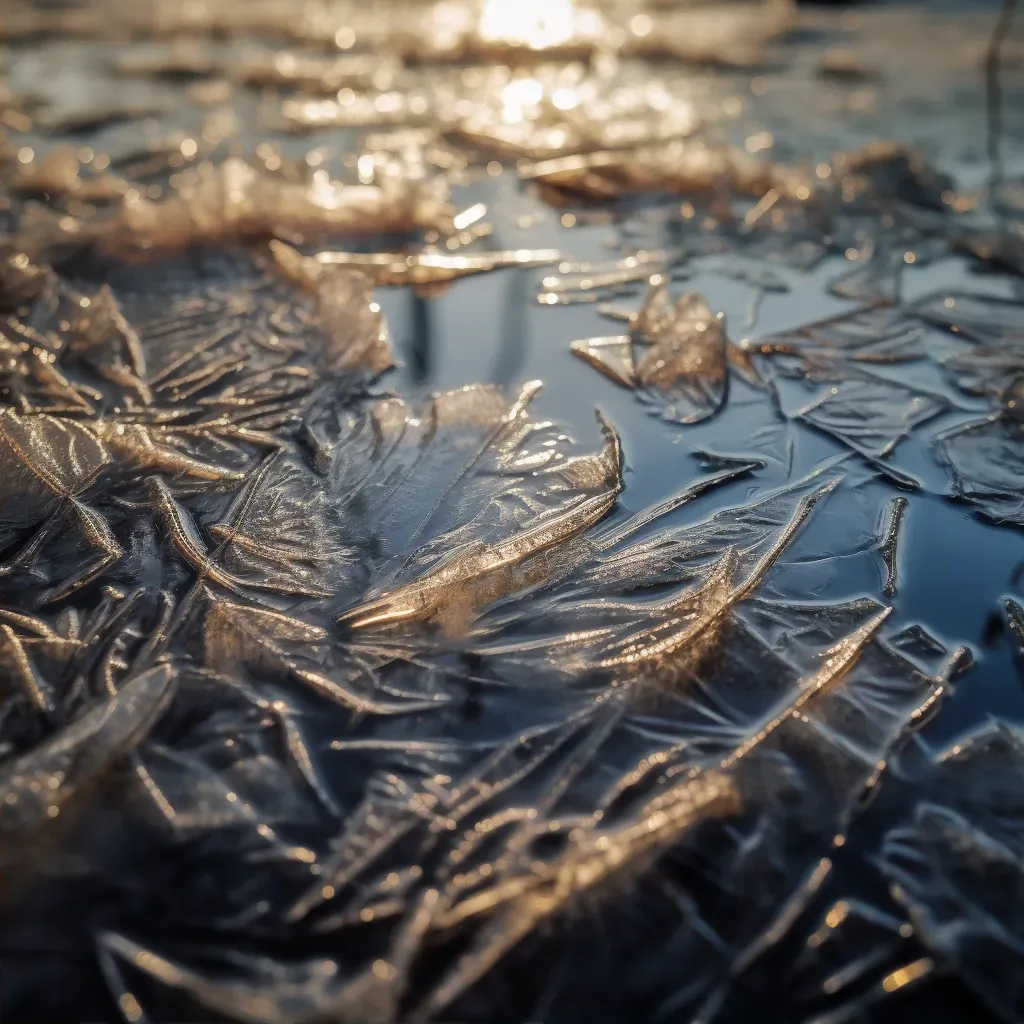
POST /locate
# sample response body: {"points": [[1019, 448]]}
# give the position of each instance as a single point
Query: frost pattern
{"points": [[326, 698], [957, 864]]}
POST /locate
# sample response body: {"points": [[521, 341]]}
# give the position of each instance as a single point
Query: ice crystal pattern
{"points": [[327, 698]]}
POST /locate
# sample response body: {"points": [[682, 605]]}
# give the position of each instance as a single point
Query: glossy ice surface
{"points": [[353, 669]]}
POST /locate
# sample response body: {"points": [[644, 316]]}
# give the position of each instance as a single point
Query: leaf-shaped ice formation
{"points": [[47, 462], [39, 785], [357, 339], [987, 460], [675, 356], [230, 780], [525, 499], [874, 280], [987, 455], [267, 643], [841, 363], [870, 416], [958, 865], [991, 371], [995, 326], [985, 319], [278, 533]]}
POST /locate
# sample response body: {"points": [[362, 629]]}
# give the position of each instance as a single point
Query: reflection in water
{"points": [[512, 340], [421, 340]]}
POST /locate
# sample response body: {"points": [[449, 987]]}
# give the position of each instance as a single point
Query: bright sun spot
{"points": [[519, 96], [535, 23]]}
